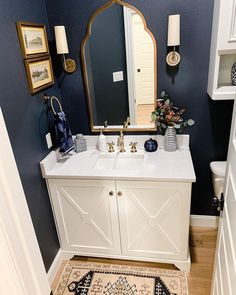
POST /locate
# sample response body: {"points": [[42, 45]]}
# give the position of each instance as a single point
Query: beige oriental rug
{"points": [[80, 278]]}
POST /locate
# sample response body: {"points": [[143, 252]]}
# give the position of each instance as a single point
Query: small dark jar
{"points": [[150, 145]]}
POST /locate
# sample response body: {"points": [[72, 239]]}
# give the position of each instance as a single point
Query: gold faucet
{"points": [[121, 142], [126, 123]]}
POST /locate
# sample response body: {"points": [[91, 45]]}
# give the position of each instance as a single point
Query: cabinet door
{"points": [[227, 24], [86, 215], [154, 218]]}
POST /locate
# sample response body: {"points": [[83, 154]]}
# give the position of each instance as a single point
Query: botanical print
{"points": [[40, 73], [34, 40]]}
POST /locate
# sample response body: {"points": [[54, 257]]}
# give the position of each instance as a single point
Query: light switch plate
{"points": [[118, 76], [49, 140]]}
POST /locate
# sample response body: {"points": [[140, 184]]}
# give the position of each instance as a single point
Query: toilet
{"points": [[218, 174]]}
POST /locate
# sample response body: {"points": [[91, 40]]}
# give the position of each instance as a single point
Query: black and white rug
{"points": [[79, 278]]}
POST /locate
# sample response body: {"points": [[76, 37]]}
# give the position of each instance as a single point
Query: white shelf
{"points": [[223, 51], [225, 66], [224, 92]]}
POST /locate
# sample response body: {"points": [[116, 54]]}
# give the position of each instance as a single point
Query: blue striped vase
{"points": [[170, 143], [233, 74]]}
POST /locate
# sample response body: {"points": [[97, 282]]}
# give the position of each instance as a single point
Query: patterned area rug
{"points": [[79, 278]]}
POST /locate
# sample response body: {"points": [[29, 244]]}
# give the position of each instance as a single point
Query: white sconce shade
{"points": [[61, 41], [173, 39], [69, 64], [173, 30]]}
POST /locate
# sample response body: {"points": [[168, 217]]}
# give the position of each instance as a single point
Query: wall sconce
{"points": [[173, 39], [69, 64]]}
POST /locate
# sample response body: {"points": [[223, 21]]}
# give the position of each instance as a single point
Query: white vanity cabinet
{"points": [[86, 216], [223, 50], [154, 219], [140, 220]]}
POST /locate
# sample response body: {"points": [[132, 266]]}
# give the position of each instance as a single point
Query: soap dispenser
{"points": [[80, 143], [102, 142]]}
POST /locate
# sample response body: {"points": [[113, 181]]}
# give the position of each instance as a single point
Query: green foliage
{"points": [[166, 114]]}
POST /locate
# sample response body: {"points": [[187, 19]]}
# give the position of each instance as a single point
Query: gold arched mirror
{"points": [[119, 68]]}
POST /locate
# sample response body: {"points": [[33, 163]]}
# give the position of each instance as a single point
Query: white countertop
{"points": [[157, 166]]}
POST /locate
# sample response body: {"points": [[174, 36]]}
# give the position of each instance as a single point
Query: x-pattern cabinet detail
{"points": [[137, 220]]}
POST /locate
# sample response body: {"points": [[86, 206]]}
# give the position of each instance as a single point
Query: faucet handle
{"points": [[133, 147], [111, 147]]}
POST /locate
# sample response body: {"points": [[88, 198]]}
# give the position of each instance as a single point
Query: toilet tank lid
{"points": [[218, 168]]}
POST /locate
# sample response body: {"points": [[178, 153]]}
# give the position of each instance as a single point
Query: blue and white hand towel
{"points": [[63, 133]]}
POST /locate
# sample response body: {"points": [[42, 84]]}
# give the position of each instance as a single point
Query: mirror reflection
{"points": [[119, 58]]}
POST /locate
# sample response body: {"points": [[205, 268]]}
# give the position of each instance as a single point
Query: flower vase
{"points": [[170, 142]]}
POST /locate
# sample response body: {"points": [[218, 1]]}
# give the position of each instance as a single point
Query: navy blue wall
{"points": [[187, 85], [26, 123]]}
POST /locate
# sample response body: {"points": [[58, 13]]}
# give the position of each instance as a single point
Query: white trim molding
{"points": [[204, 221], [20, 257], [61, 256], [54, 267]]}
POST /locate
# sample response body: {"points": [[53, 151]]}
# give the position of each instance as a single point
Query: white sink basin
{"points": [[119, 162], [129, 162], [105, 162]]}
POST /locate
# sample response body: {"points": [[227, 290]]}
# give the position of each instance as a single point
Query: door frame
{"points": [[130, 62], [23, 271], [224, 215]]}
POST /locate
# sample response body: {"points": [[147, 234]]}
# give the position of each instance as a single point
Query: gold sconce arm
{"points": [[69, 65]]}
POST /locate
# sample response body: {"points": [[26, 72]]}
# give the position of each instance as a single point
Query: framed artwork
{"points": [[33, 39], [39, 73]]}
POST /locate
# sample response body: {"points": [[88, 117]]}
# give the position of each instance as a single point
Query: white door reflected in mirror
{"points": [[140, 59]]}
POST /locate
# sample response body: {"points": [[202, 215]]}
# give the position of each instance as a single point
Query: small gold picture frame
{"points": [[33, 39], [39, 73]]}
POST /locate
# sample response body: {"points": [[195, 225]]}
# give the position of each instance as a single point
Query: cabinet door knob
{"points": [[119, 193], [111, 193]]}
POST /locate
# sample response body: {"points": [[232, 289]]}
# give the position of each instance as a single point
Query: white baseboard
{"points": [[61, 255], [204, 221], [54, 267]]}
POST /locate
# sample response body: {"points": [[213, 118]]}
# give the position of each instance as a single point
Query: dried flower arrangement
{"points": [[166, 114]]}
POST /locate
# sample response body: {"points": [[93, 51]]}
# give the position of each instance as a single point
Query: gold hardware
{"points": [[133, 147], [119, 193], [69, 65], [111, 193], [126, 123], [45, 97], [51, 99], [59, 104], [121, 142], [173, 58], [111, 147]]}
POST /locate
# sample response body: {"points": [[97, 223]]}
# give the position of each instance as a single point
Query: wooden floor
{"points": [[202, 251], [143, 116], [202, 247]]}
